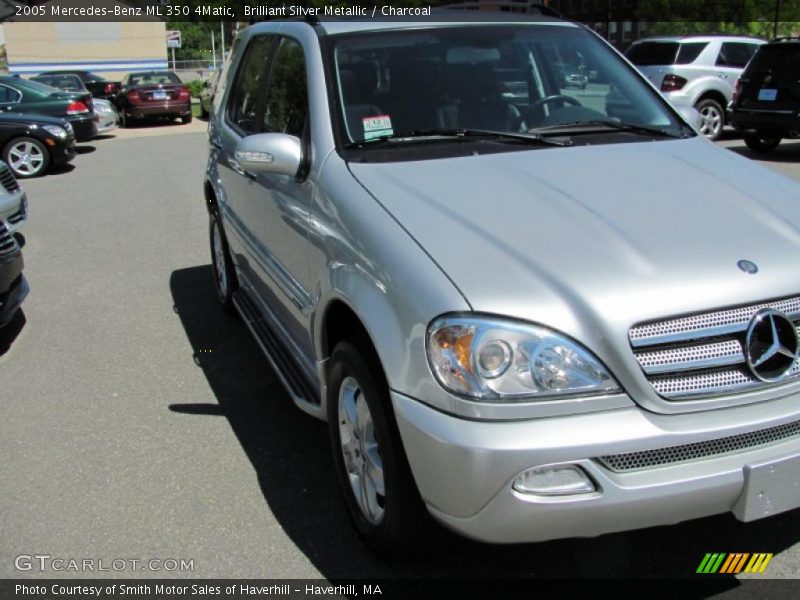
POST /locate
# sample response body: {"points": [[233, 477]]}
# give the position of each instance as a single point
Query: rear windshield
{"points": [[665, 53], [781, 60]]}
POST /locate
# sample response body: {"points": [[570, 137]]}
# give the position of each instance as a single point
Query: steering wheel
{"points": [[547, 100]]}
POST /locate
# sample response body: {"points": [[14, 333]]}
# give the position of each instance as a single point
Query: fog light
{"points": [[559, 480]]}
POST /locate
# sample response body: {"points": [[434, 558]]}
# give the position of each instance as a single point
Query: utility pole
{"points": [[213, 51], [222, 43]]}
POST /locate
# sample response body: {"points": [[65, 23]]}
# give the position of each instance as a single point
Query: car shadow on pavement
{"points": [[84, 149], [787, 152], [11, 331], [290, 453]]}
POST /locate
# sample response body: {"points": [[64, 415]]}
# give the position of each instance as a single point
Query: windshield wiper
{"points": [[415, 135], [578, 127]]}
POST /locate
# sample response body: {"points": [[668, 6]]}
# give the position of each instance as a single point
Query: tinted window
{"points": [[8, 94], [689, 52], [287, 93], [735, 54], [653, 53], [782, 60], [249, 84], [154, 78]]}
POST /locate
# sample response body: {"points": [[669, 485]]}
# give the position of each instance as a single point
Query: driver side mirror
{"points": [[277, 153]]}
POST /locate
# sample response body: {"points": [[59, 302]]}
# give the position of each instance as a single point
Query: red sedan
{"points": [[153, 94]]}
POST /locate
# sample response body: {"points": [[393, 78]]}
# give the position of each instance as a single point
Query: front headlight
{"points": [[501, 360], [56, 131]]}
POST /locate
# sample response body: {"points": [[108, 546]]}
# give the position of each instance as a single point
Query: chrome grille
{"points": [[703, 355], [7, 242], [636, 461], [7, 179], [17, 217]]}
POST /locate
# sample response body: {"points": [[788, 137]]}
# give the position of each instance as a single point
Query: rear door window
{"points": [[689, 52], [653, 53]]}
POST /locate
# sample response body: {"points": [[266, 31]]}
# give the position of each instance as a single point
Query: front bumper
{"points": [[465, 469]]}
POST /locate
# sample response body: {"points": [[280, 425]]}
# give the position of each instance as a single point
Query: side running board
{"points": [[304, 393]]}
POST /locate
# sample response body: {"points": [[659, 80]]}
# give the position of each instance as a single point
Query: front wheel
{"points": [[758, 143], [221, 264], [27, 157], [370, 462]]}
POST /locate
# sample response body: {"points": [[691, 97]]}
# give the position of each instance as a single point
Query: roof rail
{"points": [[785, 38], [523, 7]]}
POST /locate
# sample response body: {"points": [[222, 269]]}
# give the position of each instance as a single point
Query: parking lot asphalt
{"points": [[139, 422]]}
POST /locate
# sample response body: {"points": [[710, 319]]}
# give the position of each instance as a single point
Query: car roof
{"points": [[701, 38], [462, 19]]}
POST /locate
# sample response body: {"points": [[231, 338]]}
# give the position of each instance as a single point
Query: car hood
{"points": [[592, 239]]}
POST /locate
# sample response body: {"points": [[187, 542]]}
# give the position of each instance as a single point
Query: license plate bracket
{"points": [[770, 487]]}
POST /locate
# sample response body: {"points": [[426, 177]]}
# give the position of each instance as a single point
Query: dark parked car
{"points": [[766, 101], [30, 144], [153, 94], [99, 87], [13, 286], [25, 96]]}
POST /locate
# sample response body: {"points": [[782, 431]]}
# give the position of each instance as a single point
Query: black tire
{"points": [[757, 143], [26, 157], [713, 115], [186, 119], [393, 535], [225, 282]]}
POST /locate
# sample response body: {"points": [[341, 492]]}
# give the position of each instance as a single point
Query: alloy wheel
{"points": [[362, 458], [26, 158], [219, 262]]}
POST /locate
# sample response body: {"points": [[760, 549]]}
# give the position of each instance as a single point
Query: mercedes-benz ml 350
{"points": [[533, 309]]}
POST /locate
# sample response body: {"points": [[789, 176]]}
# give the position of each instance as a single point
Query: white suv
{"points": [[695, 71]]}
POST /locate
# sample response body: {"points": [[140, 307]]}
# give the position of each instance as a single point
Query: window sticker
{"points": [[377, 126]]}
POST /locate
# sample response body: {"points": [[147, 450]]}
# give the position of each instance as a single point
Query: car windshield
{"points": [[503, 78], [155, 78]]}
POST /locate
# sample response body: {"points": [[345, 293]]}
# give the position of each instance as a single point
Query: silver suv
{"points": [[462, 264], [698, 71]]}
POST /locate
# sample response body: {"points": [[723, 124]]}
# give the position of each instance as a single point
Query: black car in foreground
{"points": [[13, 286], [25, 96], [766, 102], [30, 144]]}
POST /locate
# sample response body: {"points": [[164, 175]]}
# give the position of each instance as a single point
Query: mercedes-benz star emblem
{"points": [[772, 345], [748, 266]]}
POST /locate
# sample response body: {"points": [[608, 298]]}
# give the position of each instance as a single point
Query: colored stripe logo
{"points": [[737, 562]]}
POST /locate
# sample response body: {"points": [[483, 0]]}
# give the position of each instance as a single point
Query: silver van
{"points": [[483, 278]]}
